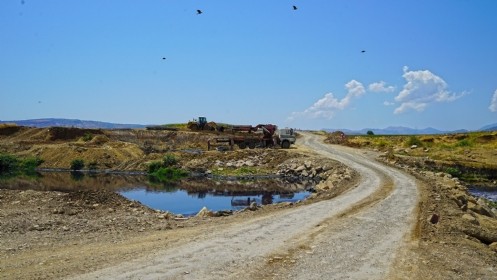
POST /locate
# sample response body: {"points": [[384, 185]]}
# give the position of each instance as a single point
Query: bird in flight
{"points": [[163, 58], [363, 51], [294, 7], [199, 12]]}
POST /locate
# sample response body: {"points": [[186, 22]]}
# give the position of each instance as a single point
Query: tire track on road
{"points": [[362, 242]]}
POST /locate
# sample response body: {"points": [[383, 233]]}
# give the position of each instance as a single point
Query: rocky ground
{"points": [[53, 225], [47, 234]]}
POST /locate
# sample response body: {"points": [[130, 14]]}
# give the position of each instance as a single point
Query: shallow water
{"points": [[185, 197], [485, 192]]}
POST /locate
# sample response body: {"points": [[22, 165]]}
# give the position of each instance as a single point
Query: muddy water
{"points": [[185, 197]]}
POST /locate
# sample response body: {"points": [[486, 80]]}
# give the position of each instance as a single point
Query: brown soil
{"points": [[49, 234]]}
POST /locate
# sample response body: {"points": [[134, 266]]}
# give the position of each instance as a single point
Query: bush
{"points": [[154, 166], [165, 171], [413, 140], [370, 132], [455, 172], [77, 164], [169, 160], [29, 164], [8, 163], [87, 137], [11, 165]]}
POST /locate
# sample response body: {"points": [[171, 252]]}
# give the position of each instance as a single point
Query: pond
{"points": [[185, 197], [489, 193]]}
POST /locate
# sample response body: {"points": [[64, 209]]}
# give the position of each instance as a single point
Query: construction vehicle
{"points": [[285, 137], [201, 124], [262, 136]]}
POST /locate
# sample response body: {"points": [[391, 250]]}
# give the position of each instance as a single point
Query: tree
{"points": [[370, 132]]}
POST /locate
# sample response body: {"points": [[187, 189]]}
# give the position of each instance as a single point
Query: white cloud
{"points": [[493, 103], [380, 86], [329, 104], [388, 103], [421, 89]]}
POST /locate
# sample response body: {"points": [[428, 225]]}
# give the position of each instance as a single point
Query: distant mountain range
{"points": [[72, 123], [490, 127], [400, 130]]}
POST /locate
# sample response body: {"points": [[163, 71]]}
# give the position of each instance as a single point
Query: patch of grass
{"points": [[382, 144], [464, 143]]}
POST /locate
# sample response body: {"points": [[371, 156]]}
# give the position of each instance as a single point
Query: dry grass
{"points": [[467, 154]]}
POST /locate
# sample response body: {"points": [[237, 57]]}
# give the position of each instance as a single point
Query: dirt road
{"points": [[355, 235]]}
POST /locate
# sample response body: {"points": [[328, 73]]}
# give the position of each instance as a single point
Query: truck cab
{"points": [[286, 137]]}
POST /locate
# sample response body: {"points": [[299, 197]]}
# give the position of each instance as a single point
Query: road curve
{"points": [[353, 236]]}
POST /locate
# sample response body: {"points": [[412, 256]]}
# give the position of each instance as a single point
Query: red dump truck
{"points": [[262, 135]]}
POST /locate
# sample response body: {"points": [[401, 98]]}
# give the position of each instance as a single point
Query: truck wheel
{"points": [[285, 144], [242, 145], [251, 145]]}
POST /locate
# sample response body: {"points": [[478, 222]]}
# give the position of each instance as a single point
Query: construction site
{"points": [[448, 234]]}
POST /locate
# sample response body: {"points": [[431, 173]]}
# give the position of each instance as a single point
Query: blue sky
{"points": [[426, 63]]}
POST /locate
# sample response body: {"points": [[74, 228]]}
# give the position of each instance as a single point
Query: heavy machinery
{"points": [[262, 135], [201, 124]]}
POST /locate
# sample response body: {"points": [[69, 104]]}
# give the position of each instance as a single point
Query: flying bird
{"points": [[199, 12], [363, 51], [295, 8], [163, 58]]}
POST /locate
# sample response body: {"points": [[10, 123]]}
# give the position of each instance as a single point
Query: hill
{"points": [[71, 123], [490, 127]]}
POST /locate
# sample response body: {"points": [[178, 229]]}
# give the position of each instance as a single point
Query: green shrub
{"points": [[12, 166], [8, 164], [169, 160], [154, 166], [463, 143], [87, 137], [413, 140], [370, 133], [29, 164], [77, 164], [455, 172]]}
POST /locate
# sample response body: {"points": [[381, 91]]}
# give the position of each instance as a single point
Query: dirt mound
{"points": [[486, 138], [9, 129], [71, 133]]}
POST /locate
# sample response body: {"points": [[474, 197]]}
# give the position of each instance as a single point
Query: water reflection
{"points": [[186, 197], [73, 181]]}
